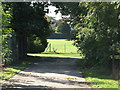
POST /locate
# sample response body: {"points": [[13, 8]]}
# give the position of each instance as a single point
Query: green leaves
{"points": [[22, 19], [98, 32], [36, 44], [63, 27], [30, 19], [6, 33]]}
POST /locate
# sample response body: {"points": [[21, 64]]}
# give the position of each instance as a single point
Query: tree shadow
{"points": [[60, 63], [55, 66], [24, 87]]}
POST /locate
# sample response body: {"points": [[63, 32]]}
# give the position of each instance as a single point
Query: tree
{"points": [[63, 27], [6, 32], [36, 44], [52, 22], [97, 29], [27, 19], [99, 32]]}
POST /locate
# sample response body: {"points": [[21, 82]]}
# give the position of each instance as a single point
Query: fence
{"points": [[64, 48], [51, 48]]}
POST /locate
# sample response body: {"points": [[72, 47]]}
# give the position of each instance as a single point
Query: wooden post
{"points": [[50, 47], [64, 48]]}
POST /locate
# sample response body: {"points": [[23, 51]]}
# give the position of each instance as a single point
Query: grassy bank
{"points": [[10, 71], [100, 77], [99, 80], [55, 55]]}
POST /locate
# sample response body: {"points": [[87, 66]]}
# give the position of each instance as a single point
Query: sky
{"points": [[53, 14]]}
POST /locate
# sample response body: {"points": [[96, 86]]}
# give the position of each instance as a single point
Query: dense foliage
{"points": [[6, 32], [21, 20], [30, 18], [36, 44], [52, 23], [63, 27], [96, 27], [98, 34]]}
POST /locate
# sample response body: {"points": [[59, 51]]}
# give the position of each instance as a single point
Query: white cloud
{"points": [[53, 14]]}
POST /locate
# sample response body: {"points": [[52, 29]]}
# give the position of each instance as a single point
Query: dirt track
{"points": [[50, 73]]}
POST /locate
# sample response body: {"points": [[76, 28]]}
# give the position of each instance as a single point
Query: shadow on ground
{"points": [[44, 69], [46, 66]]}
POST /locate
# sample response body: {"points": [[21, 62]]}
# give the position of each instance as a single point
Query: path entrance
{"points": [[50, 73]]}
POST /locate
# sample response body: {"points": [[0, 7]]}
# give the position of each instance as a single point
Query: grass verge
{"points": [[55, 55], [9, 71], [99, 77], [99, 81]]}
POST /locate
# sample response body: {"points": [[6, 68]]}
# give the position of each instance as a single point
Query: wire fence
{"points": [[60, 49]]}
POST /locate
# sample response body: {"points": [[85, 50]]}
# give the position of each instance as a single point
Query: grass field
{"points": [[59, 48], [62, 46]]}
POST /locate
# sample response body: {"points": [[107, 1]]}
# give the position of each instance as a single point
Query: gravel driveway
{"points": [[50, 73]]}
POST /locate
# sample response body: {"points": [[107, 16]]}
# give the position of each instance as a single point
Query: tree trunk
{"points": [[17, 49], [25, 46], [19, 43]]}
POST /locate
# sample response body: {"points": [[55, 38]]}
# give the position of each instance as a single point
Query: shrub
{"points": [[36, 44]]}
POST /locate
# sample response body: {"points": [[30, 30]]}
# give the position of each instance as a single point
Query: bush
{"points": [[36, 44], [83, 63], [98, 33], [64, 28], [95, 48]]}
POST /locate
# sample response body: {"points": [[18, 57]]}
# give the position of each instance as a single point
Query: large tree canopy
{"points": [[97, 28], [96, 25], [26, 19], [30, 18]]}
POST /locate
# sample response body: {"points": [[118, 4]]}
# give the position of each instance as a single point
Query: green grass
{"points": [[100, 81], [55, 55], [59, 48], [100, 77], [10, 71], [62, 46]]}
